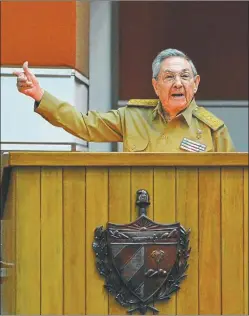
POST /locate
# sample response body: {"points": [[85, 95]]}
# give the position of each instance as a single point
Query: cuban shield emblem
{"points": [[142, 262]]}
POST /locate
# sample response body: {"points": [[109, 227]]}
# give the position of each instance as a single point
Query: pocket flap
{"points": [[136, 144]]}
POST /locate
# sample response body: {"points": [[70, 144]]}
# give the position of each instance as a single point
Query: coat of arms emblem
{"points": [[142, 262]]}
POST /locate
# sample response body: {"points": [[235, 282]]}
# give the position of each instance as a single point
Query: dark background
{"points": [[213, 34]]}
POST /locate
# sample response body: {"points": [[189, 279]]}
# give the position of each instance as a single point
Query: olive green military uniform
{"points": [[141, 126]]}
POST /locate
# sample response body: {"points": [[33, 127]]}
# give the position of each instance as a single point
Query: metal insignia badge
{"points": [[199, 133], [142, 262]]}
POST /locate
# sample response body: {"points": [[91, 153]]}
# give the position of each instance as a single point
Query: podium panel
{"points": [[56, 200]]}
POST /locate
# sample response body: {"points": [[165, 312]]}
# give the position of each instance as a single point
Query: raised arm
{"points": [[93, 126]]}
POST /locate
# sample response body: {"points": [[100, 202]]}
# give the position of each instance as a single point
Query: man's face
{"points": [[176, 84]]}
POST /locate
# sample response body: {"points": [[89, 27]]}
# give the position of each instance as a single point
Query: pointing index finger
{"points": [[27, 72]]}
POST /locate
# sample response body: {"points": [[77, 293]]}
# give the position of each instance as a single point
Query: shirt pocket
{"points": [[205, 136], [136, 144], [208, 141], [210, 146]]}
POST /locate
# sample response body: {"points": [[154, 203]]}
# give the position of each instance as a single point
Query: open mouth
{"points": [[177, 95]]}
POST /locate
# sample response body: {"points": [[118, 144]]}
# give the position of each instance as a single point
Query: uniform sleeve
{"points": [[223, 141], [92, 127]]}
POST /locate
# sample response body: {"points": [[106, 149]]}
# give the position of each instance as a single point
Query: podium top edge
{"points": [[107, 159]]}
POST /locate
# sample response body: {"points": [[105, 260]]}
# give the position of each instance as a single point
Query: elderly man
{"points": [[171, 123]]}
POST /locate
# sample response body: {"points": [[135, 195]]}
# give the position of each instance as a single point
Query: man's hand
{"points": [[28, 84]]}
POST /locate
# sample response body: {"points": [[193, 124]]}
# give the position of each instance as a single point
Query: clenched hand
{"points": [[28, 84]]}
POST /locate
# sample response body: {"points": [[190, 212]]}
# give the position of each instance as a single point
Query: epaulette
{"points": [[208, 118], [143, 102]]}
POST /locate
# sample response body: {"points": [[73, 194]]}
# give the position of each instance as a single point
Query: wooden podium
{"points": [[55, 201]]}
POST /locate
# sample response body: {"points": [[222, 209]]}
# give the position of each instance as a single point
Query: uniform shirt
{"points": [[142, 126]]}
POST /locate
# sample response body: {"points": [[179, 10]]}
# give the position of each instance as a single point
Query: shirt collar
{"points": [[187, 113]]}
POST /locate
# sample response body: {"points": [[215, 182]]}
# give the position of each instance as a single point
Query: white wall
{"points": [[19, 122]]}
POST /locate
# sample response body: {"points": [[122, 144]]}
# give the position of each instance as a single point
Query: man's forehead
{"points": [[175, 64]]}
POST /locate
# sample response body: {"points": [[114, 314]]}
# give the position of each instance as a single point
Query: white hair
{"points": [[169, 52]]}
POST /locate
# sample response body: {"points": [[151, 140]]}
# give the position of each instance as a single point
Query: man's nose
{"points": [[178, 82]]}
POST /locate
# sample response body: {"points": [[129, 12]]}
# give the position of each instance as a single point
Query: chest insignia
{"points": [[192, 146], [199, 134]]}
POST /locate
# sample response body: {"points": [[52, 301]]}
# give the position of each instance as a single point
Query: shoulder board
{"points": [[143, 102], [208, 118]]}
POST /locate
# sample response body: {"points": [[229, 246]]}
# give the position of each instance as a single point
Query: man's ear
{"points": [[154, 84], [197, 81]]}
